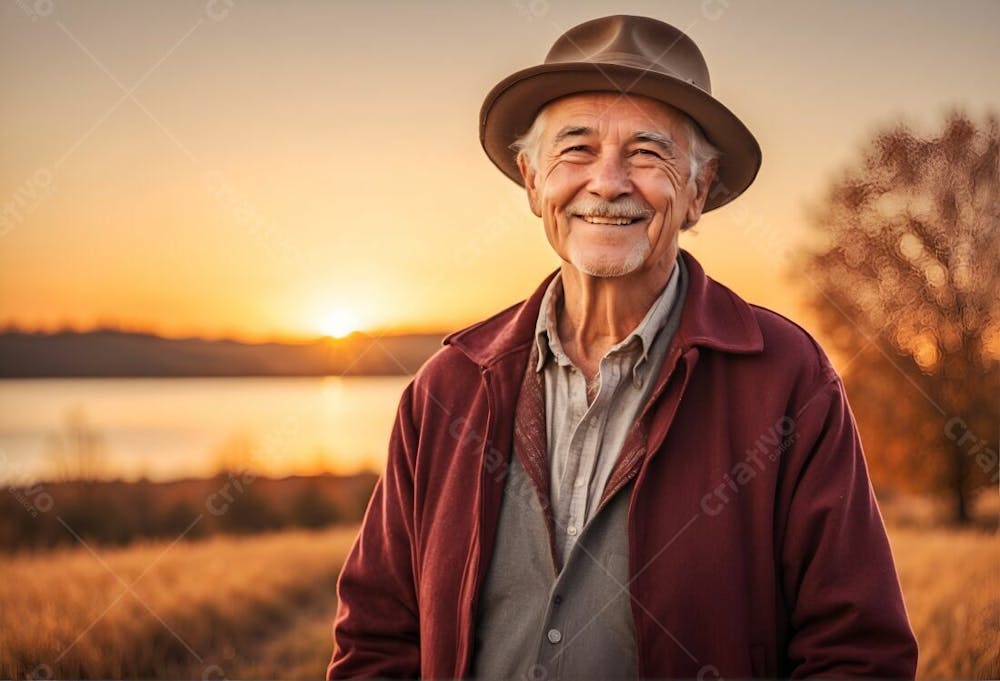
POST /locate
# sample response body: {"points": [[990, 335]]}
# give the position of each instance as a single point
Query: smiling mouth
{"points": [[610, 220]]}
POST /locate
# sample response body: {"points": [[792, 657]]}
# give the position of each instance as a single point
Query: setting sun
{"points": [[339, 323]]}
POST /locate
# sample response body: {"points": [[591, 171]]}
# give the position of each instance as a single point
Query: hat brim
{"points": [[511, 107]]}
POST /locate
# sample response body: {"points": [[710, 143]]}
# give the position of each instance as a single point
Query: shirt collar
{"points": [[547, 336]]}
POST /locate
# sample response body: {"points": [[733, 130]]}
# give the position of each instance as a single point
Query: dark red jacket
{"points": [[755, 544]]}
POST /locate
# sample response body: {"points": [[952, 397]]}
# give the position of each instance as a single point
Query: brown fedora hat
{"points": [[631, 55]]}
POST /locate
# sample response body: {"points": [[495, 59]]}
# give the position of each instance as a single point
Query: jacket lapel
{"points": [[531, 442]]}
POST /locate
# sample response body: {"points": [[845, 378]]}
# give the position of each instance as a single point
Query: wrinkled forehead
{"points": [[599, 111]]}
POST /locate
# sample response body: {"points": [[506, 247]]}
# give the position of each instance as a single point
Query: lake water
{"points": [[164, 428]]}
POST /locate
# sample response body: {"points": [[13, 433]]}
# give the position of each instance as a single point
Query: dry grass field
{"points": [[260, 607], [220, 608], [951, 585]]}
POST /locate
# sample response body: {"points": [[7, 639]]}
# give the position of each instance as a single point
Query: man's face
{"points": [[612, 183]]}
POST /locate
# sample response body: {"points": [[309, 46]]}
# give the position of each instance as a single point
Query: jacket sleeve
{"points": [[376, 631], [847, 616]]}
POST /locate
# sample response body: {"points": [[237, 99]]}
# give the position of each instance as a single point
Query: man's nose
{"points": [[610, 177]]}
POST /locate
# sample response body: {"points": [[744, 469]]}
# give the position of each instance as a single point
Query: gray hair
{"points": [[701, 150]]}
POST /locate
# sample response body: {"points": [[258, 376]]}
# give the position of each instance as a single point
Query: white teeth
{"points": [[593, 219]]}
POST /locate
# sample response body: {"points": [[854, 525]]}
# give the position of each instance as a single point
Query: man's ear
{"points": [[530, 176], [702, 185]]}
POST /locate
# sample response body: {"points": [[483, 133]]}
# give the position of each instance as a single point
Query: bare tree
{"points": [[906, 274], [77, 452]]}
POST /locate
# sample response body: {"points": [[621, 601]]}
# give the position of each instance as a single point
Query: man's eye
{"points": [[648, 152], [578, 147]]}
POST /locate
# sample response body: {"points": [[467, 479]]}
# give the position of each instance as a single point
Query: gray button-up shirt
{"points": [[539, 623], [586, 436]]}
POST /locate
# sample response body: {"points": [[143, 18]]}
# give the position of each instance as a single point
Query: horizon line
{"points": [[282, 338]]}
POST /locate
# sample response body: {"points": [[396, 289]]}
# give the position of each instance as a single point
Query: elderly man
{"points": [[632, 473]]}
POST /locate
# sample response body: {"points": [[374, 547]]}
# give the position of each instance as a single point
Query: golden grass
{"points": [[261, 607], [191, 610], [951, 586]]}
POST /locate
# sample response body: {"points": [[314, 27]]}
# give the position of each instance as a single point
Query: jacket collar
{"points": [[713, 317]]}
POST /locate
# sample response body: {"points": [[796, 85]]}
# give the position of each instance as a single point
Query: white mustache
{"points": [[624, 208]]}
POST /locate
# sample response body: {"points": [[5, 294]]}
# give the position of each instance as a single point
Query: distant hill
{"points": [[114, 353]]}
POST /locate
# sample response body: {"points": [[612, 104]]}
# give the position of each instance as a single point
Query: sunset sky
{"points": [[288, 169]]}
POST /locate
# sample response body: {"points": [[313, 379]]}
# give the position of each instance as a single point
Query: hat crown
{"points": [[637, 42]]}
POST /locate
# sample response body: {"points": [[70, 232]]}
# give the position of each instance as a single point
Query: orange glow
{"points": [[339, 323], [240, 192]]}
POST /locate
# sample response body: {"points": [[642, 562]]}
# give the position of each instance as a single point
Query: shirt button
{"points": [[554, 636], [557, 599], [571, 530]]}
